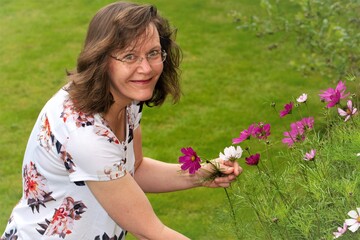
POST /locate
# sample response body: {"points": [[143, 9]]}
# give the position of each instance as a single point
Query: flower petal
{"points": [[350, 222], [349, 104], [353, 214], [354, 111], [354, 227], [342, 112], [222, 156]]}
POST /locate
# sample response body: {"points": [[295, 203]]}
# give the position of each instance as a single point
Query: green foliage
{"points": [[327, 30], [306, 199]]}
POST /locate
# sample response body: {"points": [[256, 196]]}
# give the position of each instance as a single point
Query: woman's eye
{"points": [[129, 58], [153, 54]]}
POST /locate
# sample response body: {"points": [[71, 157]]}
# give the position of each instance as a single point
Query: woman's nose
{"points": [[144, 65]]}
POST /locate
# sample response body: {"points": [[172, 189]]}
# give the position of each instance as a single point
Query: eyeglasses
{"points": [[154, 57]]}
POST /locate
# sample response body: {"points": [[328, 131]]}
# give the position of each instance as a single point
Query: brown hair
{"points": [[115, 27]]}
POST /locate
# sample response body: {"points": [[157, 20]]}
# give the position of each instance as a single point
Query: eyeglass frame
{"points": [[138, 59]]}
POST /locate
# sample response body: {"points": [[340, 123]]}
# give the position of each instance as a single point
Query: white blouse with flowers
{"points": [[65, 149]]}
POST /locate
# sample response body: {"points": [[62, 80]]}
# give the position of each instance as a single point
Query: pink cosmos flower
{"points": [[296, 134], [290, 138], [340, 231], [287, 109], [333, 96], [307, 123], [244, 135], [261, 131], [310, 156], [302, 98], [354, 222], [189, 160], [348, 112], [253, 159]]}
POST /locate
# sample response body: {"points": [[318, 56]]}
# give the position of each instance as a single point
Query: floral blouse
{"points": [[65, 149]]}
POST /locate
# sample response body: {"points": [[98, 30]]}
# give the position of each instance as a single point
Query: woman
{"points": [[84, 174]]}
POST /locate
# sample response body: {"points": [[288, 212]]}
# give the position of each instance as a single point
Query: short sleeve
{"points": [[94, 155], [91, 151]]}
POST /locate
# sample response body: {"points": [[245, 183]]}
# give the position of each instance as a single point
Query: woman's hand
{"points": [[226, 171]]}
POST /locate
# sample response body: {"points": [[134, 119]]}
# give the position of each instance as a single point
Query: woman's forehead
{"points": [[149, 37]]}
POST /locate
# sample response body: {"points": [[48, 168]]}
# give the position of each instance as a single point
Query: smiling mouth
{"points": [[145, 81]]}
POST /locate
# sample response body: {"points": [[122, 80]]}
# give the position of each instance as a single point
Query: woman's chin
{"points": [[143, 98]]}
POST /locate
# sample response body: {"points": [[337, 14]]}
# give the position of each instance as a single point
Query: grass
{"points": [[229, 80]]}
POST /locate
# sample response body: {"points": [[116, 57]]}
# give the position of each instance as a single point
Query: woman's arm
{"points": [[157, 176], [129, 207]]}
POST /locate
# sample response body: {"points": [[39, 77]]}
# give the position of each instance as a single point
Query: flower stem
{"points": [[232, 213], [268, 156]]}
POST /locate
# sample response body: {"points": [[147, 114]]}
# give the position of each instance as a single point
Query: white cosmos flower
{"points": [[354, 222], [231, 153], [302, 98]]}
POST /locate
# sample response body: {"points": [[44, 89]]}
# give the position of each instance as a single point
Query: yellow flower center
{"points": [[358, 219], [193, 158]]}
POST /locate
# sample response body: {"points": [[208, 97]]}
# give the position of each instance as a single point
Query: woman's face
{"points": [[136, 80]]}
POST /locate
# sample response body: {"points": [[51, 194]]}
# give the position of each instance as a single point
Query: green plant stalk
{"points": [[274, 183], [232, 213], [257, 213]]}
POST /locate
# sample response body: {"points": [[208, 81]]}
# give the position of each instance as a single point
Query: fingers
{"points": [[227, 170], [233, 167], [231, 171], [225, 179], [237, 169], [223, 185]]}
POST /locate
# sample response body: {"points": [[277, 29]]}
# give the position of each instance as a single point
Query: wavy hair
{"points": [[115, 27]]}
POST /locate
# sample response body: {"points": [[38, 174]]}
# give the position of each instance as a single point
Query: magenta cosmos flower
{"points": [[333, 96], [253, 159], [189, 160], [257, 130], [261, 131], [348, 112], [287, 109], [244, 135]]}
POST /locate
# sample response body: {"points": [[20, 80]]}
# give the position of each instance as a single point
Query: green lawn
{"points": [[229, 80]]}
